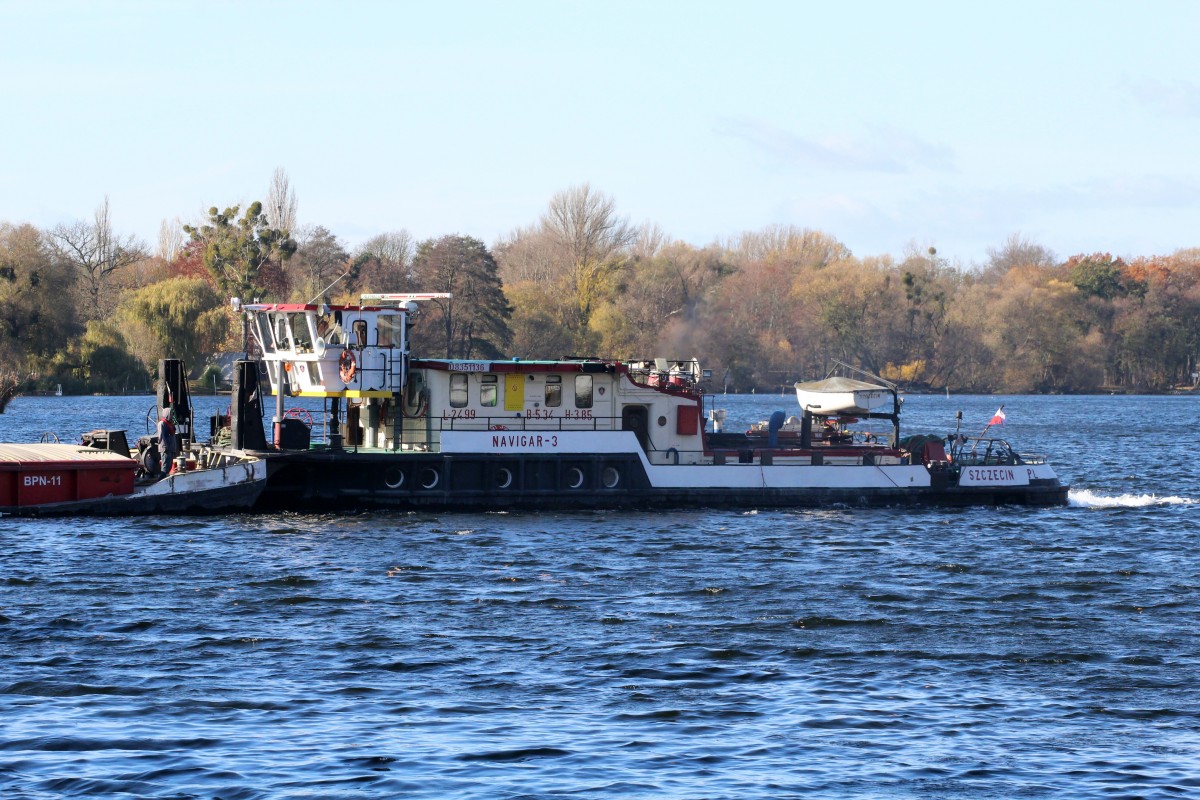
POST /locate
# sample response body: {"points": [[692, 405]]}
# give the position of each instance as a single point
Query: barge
{"points": [[103, 476], [402, 432]]}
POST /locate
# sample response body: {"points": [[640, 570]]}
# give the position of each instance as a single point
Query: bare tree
{"points": [[798, 247], [584, 223], [96, 253], [319, 260], [528, 255], [170, 239], [280, 209], [390, 257], [650, 241], [1017, 251]]}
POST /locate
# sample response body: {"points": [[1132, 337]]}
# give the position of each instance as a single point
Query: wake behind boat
{"points": [[397, 431]]}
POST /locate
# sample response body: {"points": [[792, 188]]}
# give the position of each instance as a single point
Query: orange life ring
{"points": [[346, 366]]}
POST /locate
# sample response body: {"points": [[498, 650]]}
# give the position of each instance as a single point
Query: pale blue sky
{"points": [[884, 124]]}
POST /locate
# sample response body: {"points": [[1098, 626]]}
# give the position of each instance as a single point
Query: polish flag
{"points": [[999, 417]]}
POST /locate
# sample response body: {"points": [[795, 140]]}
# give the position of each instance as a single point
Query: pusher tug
{"points": [[405, 432]]}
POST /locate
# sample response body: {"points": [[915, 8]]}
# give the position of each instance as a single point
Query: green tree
{"points": [[244, 254], [1098, 275], [176, 318], [37, 316], [474, 321], [97, 361]]}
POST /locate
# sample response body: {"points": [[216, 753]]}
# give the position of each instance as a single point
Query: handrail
{"points": [[989, 452]]}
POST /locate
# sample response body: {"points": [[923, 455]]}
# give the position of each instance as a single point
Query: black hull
{"points": [[223, 500], [323, 481]]}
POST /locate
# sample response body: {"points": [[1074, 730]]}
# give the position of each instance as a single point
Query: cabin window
{"points": [[328, 330], [360, 332], [300, 333], [583, 391], [489, 391], [282, 340], [553, 391], [388, 328], [458, 390], [262, 332]]}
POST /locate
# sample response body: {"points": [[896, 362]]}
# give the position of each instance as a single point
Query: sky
{"points": [[889, 126]]}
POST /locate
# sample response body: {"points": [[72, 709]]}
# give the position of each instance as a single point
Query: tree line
{"points": [[87, 308]]}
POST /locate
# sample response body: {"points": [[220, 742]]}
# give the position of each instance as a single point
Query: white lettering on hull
{"points": [[524, 441], [996, 476], [43, 480]]}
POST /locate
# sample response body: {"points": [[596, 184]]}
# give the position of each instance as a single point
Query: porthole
{"points": [[662, 422], [430, 478], [504, 478], [611, 477], [394, 478], [574, 478]]}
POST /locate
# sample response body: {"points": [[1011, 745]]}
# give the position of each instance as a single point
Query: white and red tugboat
{"points": [[407, 432]]}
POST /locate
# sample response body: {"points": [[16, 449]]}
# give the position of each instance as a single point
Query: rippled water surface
{"points": [[667, 653]]}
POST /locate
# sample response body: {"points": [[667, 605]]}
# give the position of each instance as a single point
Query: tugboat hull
{"points": [[318, 480]]}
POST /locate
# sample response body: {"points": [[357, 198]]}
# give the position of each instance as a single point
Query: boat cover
{"points": [[58, 456]]}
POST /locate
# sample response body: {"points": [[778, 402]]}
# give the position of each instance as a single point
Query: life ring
{"points": [[302, 414], [346, 366]]}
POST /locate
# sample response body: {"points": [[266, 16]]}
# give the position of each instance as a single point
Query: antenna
{"points": [[327, 288]]}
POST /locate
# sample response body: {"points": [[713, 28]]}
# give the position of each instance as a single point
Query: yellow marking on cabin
{"points": [[514, 392]]}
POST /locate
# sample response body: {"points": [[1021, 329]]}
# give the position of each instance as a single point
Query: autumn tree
{"points": [[544, 322], [244, 254], [653, 310], [591, 240], [96, 253], [473, 323]]}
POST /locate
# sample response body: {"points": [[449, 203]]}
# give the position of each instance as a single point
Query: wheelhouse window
{"points": [[553, 391], [282, 340], [583, 391], [488, 390], [388, 328], [300, 333], [458, 390], [360, 332], [262, 329]]}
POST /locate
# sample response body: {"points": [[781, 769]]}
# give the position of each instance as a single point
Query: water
{"points": [[992, 653]]}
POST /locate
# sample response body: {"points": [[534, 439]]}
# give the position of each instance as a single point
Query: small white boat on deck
{"points": [[840, 396]]}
